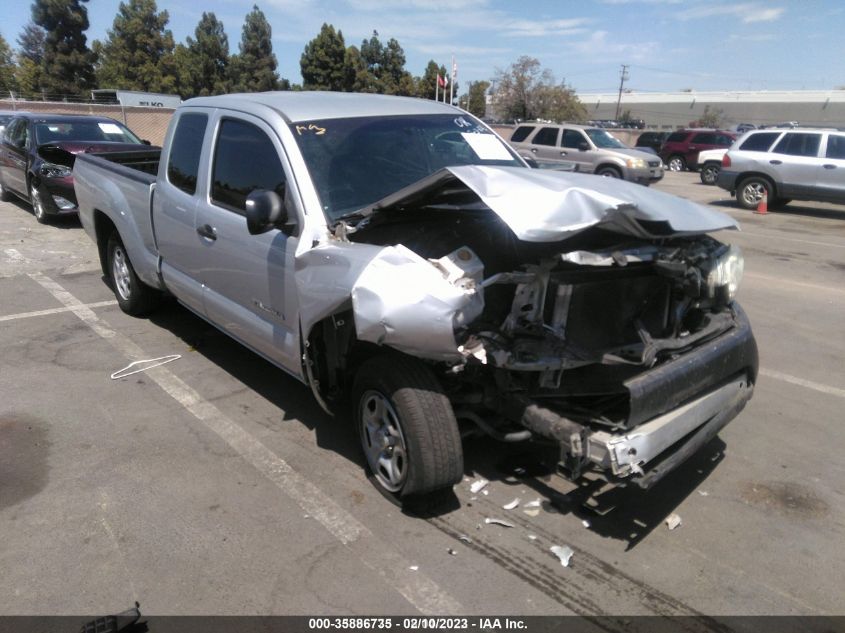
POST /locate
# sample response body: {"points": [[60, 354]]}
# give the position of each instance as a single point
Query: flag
{"points": [[442, 81]]}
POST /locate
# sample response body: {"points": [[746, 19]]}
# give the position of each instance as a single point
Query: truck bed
{"points": [[139, 165]]}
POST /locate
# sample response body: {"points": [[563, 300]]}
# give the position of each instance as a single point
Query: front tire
{"points": [[407, 428], [676, 163], [133, 295], [37, 205], [709, 173], [750, 192], [608, 172]]}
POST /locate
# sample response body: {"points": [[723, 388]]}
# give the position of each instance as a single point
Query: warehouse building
{"points": [[670, 110]]}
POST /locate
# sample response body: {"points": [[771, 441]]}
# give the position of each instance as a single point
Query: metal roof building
{"points": [[669, 110]]}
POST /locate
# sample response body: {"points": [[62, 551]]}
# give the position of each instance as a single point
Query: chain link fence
{"points": [[148, 123]]}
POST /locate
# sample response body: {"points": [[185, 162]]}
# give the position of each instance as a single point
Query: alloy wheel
{"points": [[383, 440]]}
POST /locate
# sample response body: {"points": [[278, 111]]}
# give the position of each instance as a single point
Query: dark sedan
{"points": [[37, 152]]}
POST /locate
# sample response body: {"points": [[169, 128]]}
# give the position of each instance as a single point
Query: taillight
{"points": [[726, 160]]}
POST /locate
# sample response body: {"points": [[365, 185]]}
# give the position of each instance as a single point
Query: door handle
{"points": [[776, 162], [829, 166], [533, 150], [207, 231], [563, 153]]}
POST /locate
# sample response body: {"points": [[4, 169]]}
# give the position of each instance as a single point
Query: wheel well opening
{"points": [[103, 228]]}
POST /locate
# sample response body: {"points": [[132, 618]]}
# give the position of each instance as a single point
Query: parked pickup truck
{"points": [[397, 255]]}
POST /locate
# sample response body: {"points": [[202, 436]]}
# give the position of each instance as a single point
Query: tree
{"points": [[254, 69], [31, 43], [712, 117], [67, 65], [427, 84], [323, 62], [527, 91], [7, 68], [203, 64], [477, 103], [138, 54], [383, 68]]}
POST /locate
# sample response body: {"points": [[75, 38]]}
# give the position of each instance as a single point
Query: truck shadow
{"points": [[627, 513], [70, 221], [293, 399]]}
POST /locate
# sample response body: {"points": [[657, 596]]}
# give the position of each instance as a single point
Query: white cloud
{"points": [[748, 12], [429, 5], [598, 45], [541, 28]]}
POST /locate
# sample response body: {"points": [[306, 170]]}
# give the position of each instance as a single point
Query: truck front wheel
{"points": [[133, 296], [407, 427]]}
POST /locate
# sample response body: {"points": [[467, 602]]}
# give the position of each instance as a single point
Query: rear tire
{"points": [[750, 191], [407, 427], [37, 205], [710, 173], [133, 295]]}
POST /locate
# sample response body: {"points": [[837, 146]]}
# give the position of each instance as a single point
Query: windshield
{"points": [[604, 139], [356, 162], [95, 131]]}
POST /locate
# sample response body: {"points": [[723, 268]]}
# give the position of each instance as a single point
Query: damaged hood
{"points": [[549, 206]]}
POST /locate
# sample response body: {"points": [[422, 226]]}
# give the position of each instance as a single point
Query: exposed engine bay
{"points": [[575, 340]]}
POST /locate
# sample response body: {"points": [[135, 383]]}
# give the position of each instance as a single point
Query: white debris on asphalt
{"points": [[533, 537], [465, 538], [534, 504], [673, 521], [585, 523], [703, 493], [532, 508], [414, 567], [519, 470], [477, 485], [485, 492], [563, 552], [452, 552], [513, 504], [501, 522], [144, 365]]}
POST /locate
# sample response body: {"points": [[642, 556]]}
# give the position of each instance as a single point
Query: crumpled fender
{"points": [[397, 297]]}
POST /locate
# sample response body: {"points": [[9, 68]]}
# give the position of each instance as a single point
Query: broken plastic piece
{"points": [[452, 552], [414, 567], [534, 504], [532, 512], [563, 552], [501, 522], [144, 365], [465, 538], [585, 523], [477, 485], [533, 537], [513, 504], [673, 521], [485, 492], [703, 493]]}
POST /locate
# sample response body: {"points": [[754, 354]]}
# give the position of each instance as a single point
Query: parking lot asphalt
{"points": [[215, 485]]}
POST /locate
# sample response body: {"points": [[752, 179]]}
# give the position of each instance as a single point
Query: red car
{"points": [[37, 152], [680, 151]]}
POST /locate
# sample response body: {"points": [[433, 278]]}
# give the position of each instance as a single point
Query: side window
{"points": [[706, 138], [835, 146], [677, 137], [572, 138], [546, 136], [521, 133], [721, 139], [185, 150], [245, 159], [17, 133], [759, 142], [799, 144]]}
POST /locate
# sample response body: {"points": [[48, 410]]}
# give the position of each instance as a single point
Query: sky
{"points": [[669, 45]]}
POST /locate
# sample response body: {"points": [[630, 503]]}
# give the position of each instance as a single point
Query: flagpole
{"points": [[452, 84], [437, 88]]}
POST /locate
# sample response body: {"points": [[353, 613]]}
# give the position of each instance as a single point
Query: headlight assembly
{"points": [[724, 278], [49, 170], [636, 163]]}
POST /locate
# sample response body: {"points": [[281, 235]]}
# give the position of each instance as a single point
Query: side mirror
{"points": [[145, 141], [583, 146], [264, 211]]}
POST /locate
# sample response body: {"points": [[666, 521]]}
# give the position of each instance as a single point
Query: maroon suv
{"points": [[680, 151]]}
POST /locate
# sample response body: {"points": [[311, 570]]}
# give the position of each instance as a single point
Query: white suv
{"points": [[793, 164]]}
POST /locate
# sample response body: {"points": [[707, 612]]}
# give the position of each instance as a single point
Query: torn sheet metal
{"points": [[549, 206], [397, 297], [502, 522]]}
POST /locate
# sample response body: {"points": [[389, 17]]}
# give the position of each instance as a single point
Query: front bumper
{"points": [[58, 195], [674, 410], [646, 176]]}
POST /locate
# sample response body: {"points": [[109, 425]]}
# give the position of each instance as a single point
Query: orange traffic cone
{"points": [[763, 205]]}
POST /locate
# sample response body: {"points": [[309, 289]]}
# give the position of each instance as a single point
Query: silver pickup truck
{"points": [[397, 255]]}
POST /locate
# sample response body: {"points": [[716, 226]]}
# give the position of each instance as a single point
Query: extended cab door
{"points": [[175, 201], [572, 148], [831, 174], [248, 280]]}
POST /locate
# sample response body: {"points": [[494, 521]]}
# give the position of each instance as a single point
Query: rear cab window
{"points": [[521, 133], [245, 160], [759, 142], [185, 150]]}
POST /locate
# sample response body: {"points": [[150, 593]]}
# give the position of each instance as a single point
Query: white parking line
{"points": [[417, 588], [37, 313], [809, 384]]}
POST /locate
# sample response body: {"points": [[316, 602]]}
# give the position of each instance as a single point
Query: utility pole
{"points": [[623, 75]]}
